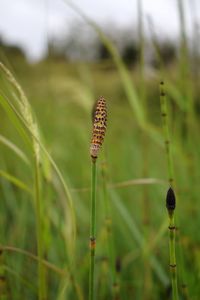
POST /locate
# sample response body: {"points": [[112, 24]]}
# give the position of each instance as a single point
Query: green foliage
{"points": [[132, 258]]}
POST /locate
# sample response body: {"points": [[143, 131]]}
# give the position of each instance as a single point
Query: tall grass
{"points": [[129, 261], [25, 111], [24, 114]]}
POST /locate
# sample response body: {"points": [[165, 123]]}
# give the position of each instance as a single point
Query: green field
{"points": [[39, 197]]}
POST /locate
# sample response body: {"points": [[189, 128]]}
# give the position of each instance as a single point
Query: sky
{"points": [[31, 23]]}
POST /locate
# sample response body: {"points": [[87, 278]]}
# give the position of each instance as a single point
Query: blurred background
{"points": [[65, 55], [42, 28]]}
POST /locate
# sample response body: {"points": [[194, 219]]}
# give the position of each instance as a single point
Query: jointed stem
{"points": [[164, 112], [92, 231], [172, 228], [172, 255]]}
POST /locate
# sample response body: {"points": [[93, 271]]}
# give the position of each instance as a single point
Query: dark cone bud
{"points": [[170, 200], [118, 265]]}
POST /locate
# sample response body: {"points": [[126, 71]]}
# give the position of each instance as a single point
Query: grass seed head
{"points": [[99, 127]]}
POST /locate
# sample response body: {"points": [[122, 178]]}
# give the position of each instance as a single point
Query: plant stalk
{"points": [[172, 255], [110, 241], [164, 113], [41, 289], [92, 231], [171, 197]]}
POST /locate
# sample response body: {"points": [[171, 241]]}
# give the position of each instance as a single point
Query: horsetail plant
{"points": [[171, 205], [164, 113], [98, 134], [170, 199]]}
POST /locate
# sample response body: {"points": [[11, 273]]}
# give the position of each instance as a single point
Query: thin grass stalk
{"points": [[155, 42], [173, 89], [6, 142], [146, 280], [108, 221], [170, 201], [141, 55], [63, 273], [109, 233], [184, 73], [195, 41], [184, 46], [92, 231], [29, 255], [3, 282], [138, 237], [117, 283], [164, 114], [5, 103], [41, 281], [22, 279]]}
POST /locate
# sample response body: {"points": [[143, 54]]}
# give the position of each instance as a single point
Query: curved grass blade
{"points": [[14, 148], [14, 180], [138, 236], [125, 77], [47, 264], [13, 118], [21, 278]]}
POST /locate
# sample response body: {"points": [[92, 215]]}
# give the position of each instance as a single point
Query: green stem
{"points": [[164, 112], [142, 90], [185, 74], [41, 289], [92, 231], [3, 281], [172, 228], [172, 255], [108, 223]]}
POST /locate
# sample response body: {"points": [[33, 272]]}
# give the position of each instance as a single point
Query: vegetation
{"points": [[151, 144]]}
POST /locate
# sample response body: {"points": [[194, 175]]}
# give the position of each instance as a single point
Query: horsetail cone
{"points": [[99, 127], [170, 200]]}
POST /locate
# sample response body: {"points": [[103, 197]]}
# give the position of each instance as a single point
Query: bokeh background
{"points": [[65, 55]]}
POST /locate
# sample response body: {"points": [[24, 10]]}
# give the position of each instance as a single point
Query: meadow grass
{"points": [[131, 258]]}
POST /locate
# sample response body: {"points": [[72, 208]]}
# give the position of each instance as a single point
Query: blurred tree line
{"points": [[80, 43]]}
